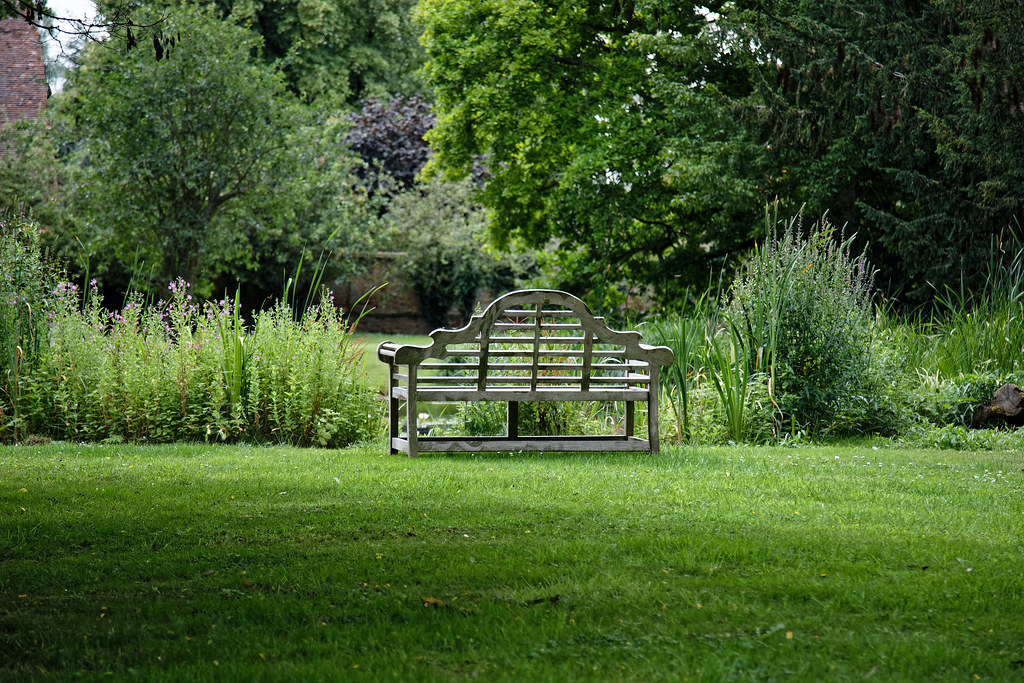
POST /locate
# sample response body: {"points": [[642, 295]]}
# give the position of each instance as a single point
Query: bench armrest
{"points": [[386, 351]]}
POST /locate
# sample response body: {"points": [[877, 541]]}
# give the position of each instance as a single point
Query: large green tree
{"points": [[194, 161], [641, 135], [342, 49], [605, 127], [903, 118]]}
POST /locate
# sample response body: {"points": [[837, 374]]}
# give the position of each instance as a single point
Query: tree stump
{"points": [[1006, 405]]}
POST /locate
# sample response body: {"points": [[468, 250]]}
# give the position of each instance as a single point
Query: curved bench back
{"points": [[532, 340]]}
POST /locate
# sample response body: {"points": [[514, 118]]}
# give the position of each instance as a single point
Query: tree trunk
{"points": [[1007, 405]]}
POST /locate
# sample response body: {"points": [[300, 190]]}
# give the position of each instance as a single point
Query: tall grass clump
{"points": [[686, 333], [983, 331], [713, 392], [25, 283], [803, 304], [971, 343], [183, 370]]}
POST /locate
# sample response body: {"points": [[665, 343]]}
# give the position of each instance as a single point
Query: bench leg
{"points": [[411, 415], [410, 409], [513, 420], [394, 406], [630, 418], [653, 430]]}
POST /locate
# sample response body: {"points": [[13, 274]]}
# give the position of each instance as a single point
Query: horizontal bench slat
{"points": [[430, 444], [528, 353], [532, 327], [545, 313], [443, 394], [549, 380], [525, 367], [504, 339]]}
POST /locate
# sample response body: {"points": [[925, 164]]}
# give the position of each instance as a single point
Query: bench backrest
{"points": [[534, 340]]}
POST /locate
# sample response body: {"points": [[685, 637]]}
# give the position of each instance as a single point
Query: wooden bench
{"points": [[529, 345]]}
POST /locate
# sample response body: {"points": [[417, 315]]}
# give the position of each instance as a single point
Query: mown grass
{"points": [[366, 344], [200, 562]]}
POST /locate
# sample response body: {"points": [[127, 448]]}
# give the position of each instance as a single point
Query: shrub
{"points": [[306, 385], [442, 230], [803, 304], [389, 138], [25, 281], [177, 370]]}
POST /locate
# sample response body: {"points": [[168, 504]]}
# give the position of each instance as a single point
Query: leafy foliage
{"points": [[197, 164], [180, 371], [441, 229], [390, 138], [597, 130], [25, 295], [642, 135], [687, 333], [982, 330], [340, 51], [803, 304], [903, 119], [30, 174]]}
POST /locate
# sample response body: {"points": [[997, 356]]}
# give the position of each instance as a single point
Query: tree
{"points": [[29, 172], [643, 135], [340, 49], [904, 118], [605, 126], [194, 160]]}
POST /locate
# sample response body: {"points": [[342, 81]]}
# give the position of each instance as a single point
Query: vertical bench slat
{"points": [[537, 325], [588, 352], [411, 416], [393, 406], [652, 410], [513, 419], [485, 350]]}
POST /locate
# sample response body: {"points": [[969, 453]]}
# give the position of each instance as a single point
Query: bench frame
{"points": [[528, 345]]}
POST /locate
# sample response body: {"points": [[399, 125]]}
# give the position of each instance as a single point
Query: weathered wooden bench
{"points": [[529, 345]]}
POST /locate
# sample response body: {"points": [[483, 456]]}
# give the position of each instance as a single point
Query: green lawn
{"points": [[245, 563], [376, 372]]}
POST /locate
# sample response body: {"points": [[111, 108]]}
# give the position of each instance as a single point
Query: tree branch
{"points": [[36, 13]]}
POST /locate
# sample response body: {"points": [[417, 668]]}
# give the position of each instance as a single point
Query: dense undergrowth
{"points": [[170, 370], [797, 349]]}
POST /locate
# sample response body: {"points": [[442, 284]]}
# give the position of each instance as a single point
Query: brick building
{"points": [[23, 88]]}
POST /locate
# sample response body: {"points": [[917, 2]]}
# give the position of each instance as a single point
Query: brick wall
{"points": [[23, 89], [396, 307]]}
